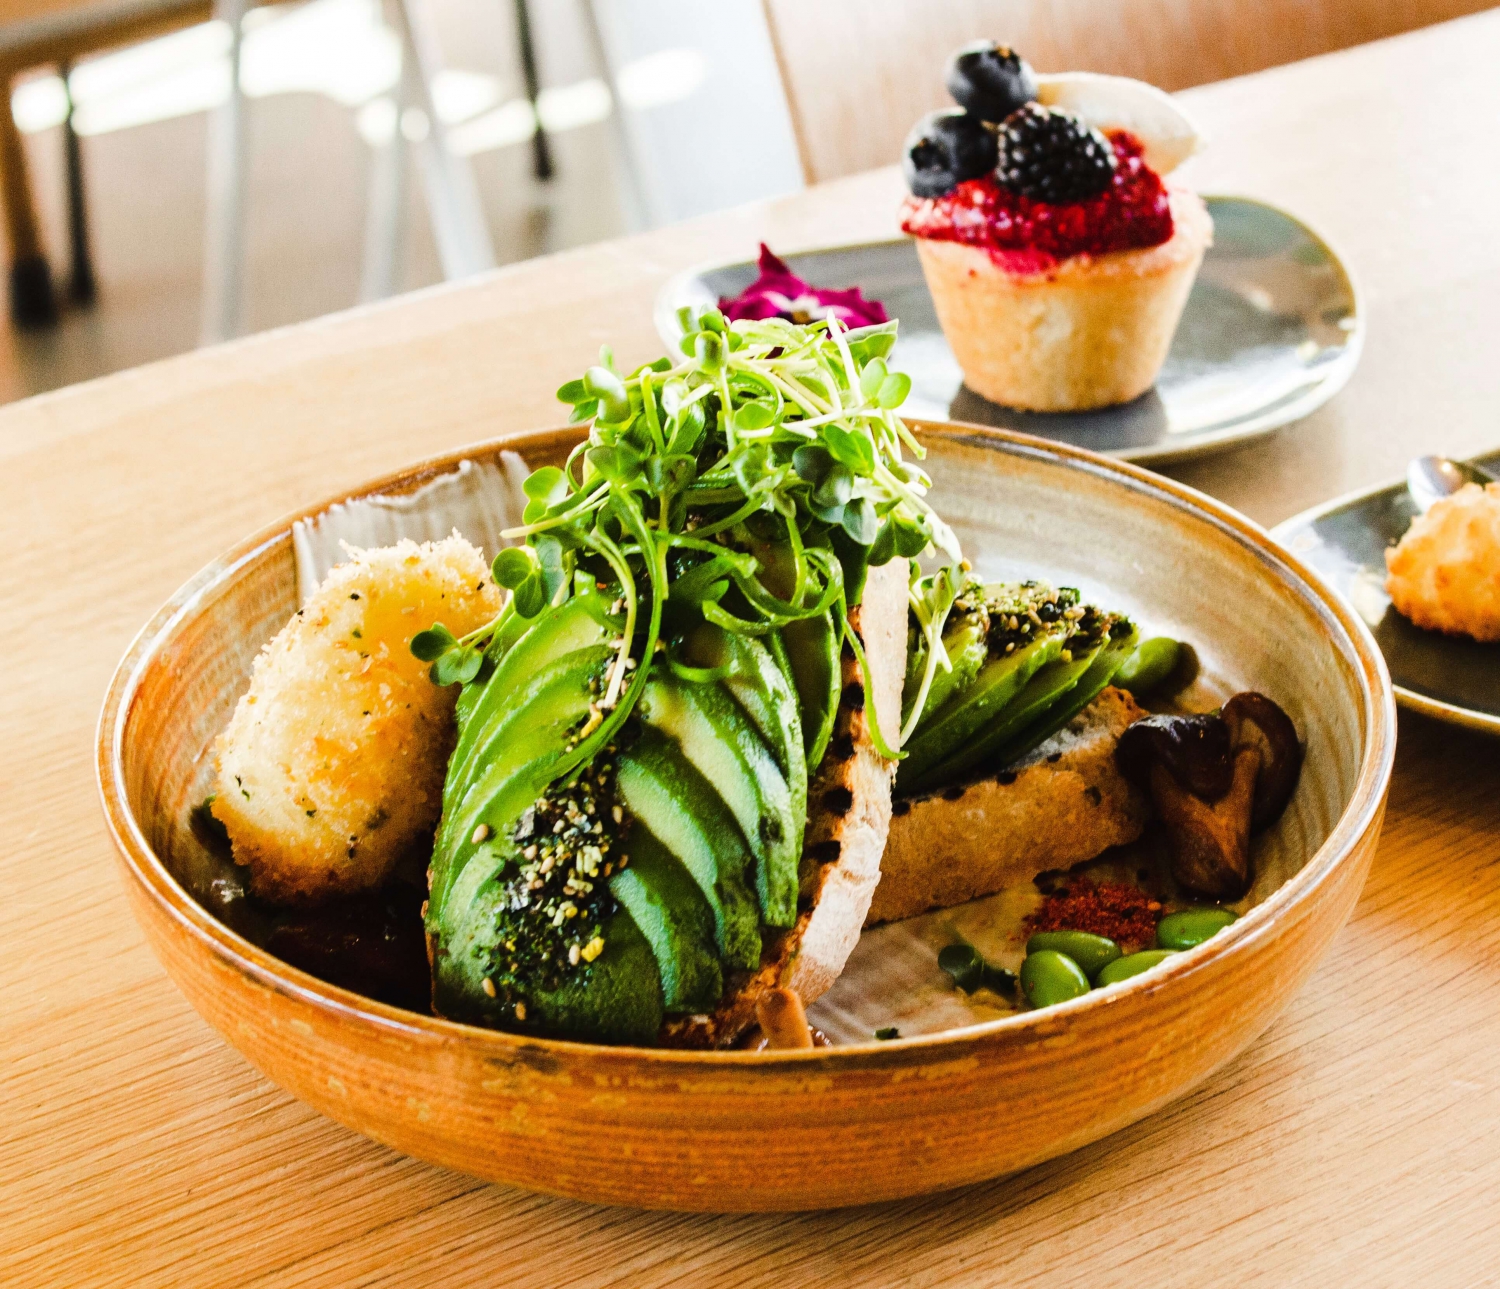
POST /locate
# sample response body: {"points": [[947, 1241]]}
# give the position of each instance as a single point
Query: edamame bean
{"points": [[1123, 968], [1049, 977], [1091, 952], [963, 963], [1151, 663], [1192, 927]]}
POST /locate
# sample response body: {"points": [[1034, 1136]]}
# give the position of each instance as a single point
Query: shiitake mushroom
{"points": [[1214, 779]]}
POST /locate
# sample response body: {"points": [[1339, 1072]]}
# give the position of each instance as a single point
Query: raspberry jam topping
{"points": [[1027, 236]]}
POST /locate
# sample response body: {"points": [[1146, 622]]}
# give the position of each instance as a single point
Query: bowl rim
{"points": [[147, 871]]}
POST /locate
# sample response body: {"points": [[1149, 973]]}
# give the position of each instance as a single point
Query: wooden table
{"points": [[1358, 1142]]}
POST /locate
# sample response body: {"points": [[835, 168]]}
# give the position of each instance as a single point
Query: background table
{"points": [[1358, 1142]]}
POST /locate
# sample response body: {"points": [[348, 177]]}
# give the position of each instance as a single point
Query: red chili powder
{"points": [[1124, 913]]}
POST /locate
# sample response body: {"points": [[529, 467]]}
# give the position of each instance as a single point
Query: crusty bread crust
{"points": [[849, 816], [1062, 805]]}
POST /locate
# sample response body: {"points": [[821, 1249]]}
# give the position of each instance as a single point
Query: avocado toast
{"points": [[671, 783], [1008, 766]]}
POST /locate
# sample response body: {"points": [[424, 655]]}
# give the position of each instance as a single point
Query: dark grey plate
{"points": [[1272, 330], [1345, 541]]}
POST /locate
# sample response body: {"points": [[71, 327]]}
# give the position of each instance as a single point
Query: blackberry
{"points": [[1050, 155], [991, 80], [945, 148]]}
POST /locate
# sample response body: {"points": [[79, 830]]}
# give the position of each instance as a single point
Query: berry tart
{"points": [[1058, 257]]}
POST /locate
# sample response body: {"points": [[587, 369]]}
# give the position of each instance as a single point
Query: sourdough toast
{"points": [[1062, 804]]}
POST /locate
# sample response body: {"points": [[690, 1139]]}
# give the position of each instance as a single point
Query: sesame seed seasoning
{"points": [[553, 904], [481, 834], [489, 986]]}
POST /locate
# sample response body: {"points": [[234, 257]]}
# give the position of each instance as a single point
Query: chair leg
{"points": [[541, 151], [32, 300], [458, 223], [228, 154], [83, 288], [625, 157], [385, 214]]}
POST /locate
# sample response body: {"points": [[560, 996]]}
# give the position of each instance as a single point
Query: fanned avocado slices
{"points": [[624, 810], [664, 902], [1023, 660]]}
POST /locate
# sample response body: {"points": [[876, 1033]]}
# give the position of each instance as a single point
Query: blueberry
{"points": [[945, 148], [991, 80]]}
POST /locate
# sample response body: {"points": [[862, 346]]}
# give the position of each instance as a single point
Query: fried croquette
{"points": [[1445, 572], [332, 766]]}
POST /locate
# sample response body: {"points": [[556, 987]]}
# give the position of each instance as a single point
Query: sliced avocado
{"points": [[615, 999], [760, 681], [1106, 662], [512, 627], [675, 919], [1042, 692], [718, 739], [518, 770], [537, 697], [967, 648], [575, 625], [812, 650], [965, 716], [664, 792]]}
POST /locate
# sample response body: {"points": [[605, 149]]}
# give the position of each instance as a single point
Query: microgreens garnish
{"points": [[766, 435]]}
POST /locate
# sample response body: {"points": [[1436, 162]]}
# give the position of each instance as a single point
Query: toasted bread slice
{"points": [[848, 817], [1063, 804]]}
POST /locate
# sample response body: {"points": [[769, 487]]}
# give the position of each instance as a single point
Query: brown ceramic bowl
{"points": [[834, 1126]]}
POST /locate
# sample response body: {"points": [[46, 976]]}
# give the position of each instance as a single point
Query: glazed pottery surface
{"points": [[834, 1126], [1344, 541]]}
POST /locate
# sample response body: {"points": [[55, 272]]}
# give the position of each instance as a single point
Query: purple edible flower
{"points": [[780, 293]]}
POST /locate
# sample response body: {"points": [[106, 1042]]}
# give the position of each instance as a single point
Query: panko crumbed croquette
{"points": [[332, 766], [1445, 572]]}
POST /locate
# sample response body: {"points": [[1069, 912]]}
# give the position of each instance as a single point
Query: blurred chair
{"points": [[34, 33], [458, 222], [858, 73]]}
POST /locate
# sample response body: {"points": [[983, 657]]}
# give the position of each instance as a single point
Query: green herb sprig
{"points": [[762, 432]]}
